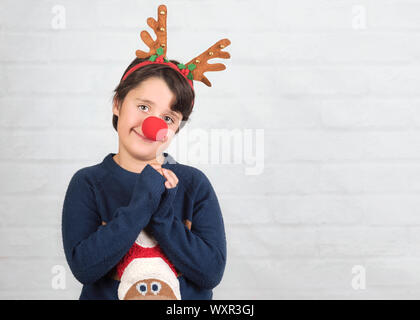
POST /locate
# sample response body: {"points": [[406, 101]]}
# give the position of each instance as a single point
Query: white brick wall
{"points": [[340, 109]]}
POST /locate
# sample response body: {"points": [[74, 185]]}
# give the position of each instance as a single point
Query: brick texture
{"points": [[333, 85]]}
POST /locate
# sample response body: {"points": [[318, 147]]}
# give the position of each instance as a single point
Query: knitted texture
{"points": [[145, 261], [130, 202], [137, 251]]}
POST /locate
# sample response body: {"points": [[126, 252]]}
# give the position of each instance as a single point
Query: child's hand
{"points": [[171, 178]]}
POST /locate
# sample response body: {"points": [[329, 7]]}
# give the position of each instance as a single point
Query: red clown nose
{"points": [[154, 128]]}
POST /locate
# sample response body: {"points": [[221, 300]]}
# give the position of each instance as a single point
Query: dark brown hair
{"points": [[184, 95]]}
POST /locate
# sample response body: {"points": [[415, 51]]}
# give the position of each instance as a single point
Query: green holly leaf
{"points": [[190, 76], [159, 51], [166, 60], [153, 58], [181, 66], [191, 67]]}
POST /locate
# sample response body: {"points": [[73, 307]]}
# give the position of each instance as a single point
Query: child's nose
{"points": [[154, 128]]}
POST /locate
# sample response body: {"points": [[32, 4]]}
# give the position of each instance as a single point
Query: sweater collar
{"points": [[110, 163]]}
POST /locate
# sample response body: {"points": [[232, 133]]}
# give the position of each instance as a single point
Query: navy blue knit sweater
{"points": [[129, 202]]}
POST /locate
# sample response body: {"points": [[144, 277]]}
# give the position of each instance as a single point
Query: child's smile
{"points": [[143, 138]]}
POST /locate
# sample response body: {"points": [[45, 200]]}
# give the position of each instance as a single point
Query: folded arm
{"points": [[200, 253], [92, 249]]}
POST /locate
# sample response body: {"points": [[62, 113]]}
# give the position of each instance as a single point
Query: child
{"points": [[140, 225]]}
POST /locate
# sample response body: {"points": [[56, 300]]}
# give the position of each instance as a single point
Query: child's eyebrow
{"points": [[145, 100], [152, 103]]}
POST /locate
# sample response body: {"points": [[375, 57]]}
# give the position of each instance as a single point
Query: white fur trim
{"points": [[148, 268], [146, 240]]}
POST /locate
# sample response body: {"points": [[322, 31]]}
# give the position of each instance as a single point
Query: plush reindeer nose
{"points": [[154, 128]]}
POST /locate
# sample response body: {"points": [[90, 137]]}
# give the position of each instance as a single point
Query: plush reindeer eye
{"points": [[142, 288], [155, 287]]}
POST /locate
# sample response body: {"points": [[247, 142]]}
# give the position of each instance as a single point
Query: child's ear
{"points": [[116, 106]]}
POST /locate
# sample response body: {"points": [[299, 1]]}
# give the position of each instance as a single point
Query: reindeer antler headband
{"points": [[194, 69]]}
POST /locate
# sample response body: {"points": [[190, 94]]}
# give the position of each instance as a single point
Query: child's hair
{"points": [[184, 95]]}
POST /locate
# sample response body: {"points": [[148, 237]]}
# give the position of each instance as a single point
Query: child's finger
{"points": [[172, 175], [168, 177]]}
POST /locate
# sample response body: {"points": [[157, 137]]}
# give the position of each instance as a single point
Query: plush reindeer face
{"points": [[150, 289], [146, 273]]}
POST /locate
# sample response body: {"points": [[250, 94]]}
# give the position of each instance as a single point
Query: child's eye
{"points": [[142, 105], [172, 121]]}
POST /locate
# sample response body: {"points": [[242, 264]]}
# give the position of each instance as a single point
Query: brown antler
{"points": [[215, 51], [159, 27]]}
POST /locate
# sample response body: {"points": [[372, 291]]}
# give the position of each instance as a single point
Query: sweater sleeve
{"points": [[91, 249], [200, 253]]}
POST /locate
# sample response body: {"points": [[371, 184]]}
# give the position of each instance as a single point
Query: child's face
{"points": [[152, 98]]}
